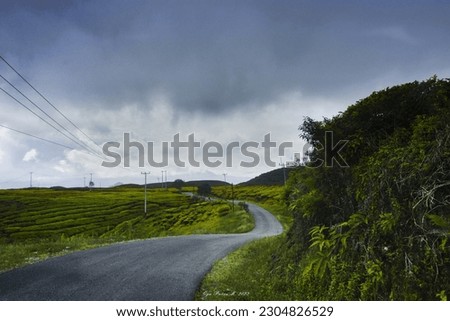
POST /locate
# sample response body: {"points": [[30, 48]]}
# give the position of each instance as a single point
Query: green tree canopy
{"points": [[379, 228]]}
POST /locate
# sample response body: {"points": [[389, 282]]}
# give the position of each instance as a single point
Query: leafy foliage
{"points": [[378, 229]]}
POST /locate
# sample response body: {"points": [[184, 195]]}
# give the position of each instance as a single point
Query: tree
{"points": [[204, 189], [378, 229], [178, 183]]}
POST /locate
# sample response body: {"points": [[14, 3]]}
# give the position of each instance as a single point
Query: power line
{"points": [[43, 139], [44, 120], [43, 97], [81, 143]]}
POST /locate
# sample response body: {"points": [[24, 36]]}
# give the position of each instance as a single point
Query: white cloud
{"points": [[31, 155], [62, 166]]}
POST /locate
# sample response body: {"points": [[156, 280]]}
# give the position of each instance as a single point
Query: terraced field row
{"points": [[35, 223]]}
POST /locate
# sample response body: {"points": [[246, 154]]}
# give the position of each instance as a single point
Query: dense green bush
{"points": [[378, 228]]}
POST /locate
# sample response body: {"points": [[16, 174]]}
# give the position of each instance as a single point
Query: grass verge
{"points": [[245, 274], [250, 273]]}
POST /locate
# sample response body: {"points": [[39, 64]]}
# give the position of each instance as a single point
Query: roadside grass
{"points": [[38, 223], [246, 274], [13, 255], [249, 273]]}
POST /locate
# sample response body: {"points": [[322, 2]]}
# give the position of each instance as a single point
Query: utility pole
{"points": [[91, 183], [163, 179], [224, 177], [232, 196], [31, 179], [284, 170], [145, 192]]}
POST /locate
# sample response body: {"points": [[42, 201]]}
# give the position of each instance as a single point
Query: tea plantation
{"points": [[38, 223]]}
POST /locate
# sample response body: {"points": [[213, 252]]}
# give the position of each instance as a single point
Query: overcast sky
{"points": [[226, 71]]}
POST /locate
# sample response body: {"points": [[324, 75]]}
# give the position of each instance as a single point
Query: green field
{"points": [[38, 223]]}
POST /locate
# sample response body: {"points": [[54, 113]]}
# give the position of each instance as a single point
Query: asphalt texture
{"points": [[158, 269]]}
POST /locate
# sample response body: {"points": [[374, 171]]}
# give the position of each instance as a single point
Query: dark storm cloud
{"points": [[216, 56]]}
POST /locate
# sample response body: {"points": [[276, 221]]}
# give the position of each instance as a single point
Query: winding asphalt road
{"points": [[166, 269]]}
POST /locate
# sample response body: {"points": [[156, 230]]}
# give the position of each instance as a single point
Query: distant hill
{"points": [[201, 182], [128, 185], [172, 184], [275, 177]]}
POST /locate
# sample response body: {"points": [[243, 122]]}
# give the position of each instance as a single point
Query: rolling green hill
{"points": [[272, 178], [173, 184], [36, 223]]}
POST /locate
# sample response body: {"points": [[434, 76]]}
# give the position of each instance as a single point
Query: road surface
{"points": [[169, 268]]}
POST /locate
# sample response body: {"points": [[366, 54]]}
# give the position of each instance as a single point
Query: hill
{"points": [[175, 184], [272, 178], [202, 182]]}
